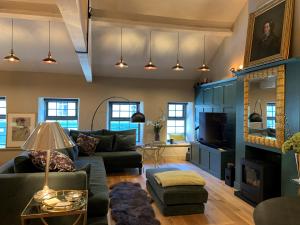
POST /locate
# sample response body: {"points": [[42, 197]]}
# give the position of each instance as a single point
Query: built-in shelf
{"points": [[265, 66]]}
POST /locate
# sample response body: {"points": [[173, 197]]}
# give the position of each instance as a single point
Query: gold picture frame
{"points": [[19, 127], [280, 107], [269, 33]]}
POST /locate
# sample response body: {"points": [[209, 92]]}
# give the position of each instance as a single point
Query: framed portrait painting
{"points": [[269, 33], [19, 127]]}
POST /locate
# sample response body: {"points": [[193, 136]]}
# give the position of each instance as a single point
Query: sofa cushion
{"points": [[23, 164], [176, 195], [105, 143], [59, 162], [117, 160], [112, 132], [98, 202], [86, 144], [75, 133], [125, 142]]}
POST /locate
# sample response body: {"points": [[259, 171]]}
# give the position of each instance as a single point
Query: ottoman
{"points": [[176, 200]]}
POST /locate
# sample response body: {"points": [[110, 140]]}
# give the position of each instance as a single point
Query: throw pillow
{"points": [[87, 144], [75, 133], [23, 164], [125, 142], [59, 162], [105, 143]]}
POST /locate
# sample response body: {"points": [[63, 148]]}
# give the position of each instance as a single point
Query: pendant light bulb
{"points": [[177, 67], [204, 67], [121, 64], [150, 65], [12, 57], [49, 59]]}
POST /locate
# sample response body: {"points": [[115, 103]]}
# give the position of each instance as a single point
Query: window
{"points": [[176, 119], [271, 115], [2, 122], [120, 114], [64, 111]]}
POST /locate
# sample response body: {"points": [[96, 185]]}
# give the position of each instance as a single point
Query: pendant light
{"points": [[177, 67], [121, 64], [150, 65], [49, 59], [204, 67], [12, 57]]}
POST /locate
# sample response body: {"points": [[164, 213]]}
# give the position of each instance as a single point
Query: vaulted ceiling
{"points": [[92, 47]]}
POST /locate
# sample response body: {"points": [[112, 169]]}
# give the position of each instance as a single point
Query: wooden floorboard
{"points": [[222, 208]]}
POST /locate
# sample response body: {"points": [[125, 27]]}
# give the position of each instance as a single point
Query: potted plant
{"points": [[157, 126], [293, 144]]}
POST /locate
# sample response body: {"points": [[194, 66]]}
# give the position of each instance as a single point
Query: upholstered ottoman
{"points": [[176, 200]]}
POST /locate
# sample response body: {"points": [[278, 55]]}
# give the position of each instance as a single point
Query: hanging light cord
{"points": [[121, 43], [49, 38], [204, 50], [177, 47], [12, 34], [150, 46]]}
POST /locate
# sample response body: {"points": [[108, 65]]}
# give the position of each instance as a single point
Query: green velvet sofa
{"points": [[16, 189]]}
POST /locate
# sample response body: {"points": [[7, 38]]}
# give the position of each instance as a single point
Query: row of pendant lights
{"points": [[150, 66], [13, 58]]}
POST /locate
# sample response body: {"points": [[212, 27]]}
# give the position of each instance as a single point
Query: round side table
{"points": [[278, 211]]}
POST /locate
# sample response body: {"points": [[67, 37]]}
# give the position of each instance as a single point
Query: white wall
{"points": [[23, 90]]}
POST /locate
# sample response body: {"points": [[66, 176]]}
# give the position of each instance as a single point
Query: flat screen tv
{"points": [[217, 130]]}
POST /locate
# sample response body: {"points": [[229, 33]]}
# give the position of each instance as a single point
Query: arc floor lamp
{"points": [[137, 117]]}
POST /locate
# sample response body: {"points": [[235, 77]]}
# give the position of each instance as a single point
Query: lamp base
{"points": [[44, 194]]}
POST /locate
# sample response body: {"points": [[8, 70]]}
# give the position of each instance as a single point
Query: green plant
{"points": [[293, 143]]}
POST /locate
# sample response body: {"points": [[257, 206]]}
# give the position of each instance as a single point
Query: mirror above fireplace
{"points": [[264, 106]]}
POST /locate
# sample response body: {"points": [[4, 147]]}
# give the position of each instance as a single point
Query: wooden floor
{"points": [[222, 208]]}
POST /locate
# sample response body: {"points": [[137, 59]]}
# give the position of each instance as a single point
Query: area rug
{"points": [[131, 205]]}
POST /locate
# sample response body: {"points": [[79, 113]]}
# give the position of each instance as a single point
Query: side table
{"points": [[34, 210]]}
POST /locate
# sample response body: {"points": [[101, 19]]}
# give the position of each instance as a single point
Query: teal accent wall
{"points": [[228, 96]]}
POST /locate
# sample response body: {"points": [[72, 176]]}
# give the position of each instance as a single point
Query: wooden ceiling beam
{"points": [[75, 16]]}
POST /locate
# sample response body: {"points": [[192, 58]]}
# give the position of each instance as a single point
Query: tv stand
{"points": [[212, 160]]}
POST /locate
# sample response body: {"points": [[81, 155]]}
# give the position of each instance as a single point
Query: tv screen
{"points": [[217, 130]]}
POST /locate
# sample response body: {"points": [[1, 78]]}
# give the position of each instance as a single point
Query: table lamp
{"points": [[47, 136]]}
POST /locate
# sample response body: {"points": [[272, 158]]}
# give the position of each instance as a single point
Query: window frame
{"points": [[58, 118], [272, 118], [4, 117], [184, 104], [123, 119]]}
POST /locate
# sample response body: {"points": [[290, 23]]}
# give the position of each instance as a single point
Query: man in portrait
{"points": [[267, 44]]}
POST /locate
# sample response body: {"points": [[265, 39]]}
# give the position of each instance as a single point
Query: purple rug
{"points": [[131, 205]]}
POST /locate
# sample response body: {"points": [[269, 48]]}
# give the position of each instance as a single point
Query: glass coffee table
{"points": [[65, 203]]}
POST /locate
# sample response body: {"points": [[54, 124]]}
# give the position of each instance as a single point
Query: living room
{"points": [[176, 88]]}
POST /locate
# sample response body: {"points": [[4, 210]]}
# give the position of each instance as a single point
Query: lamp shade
{"points": [[138, 117], [48, 136], [255, 118]]}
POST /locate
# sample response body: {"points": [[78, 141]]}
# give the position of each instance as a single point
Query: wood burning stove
{"points": [[261, 176]]}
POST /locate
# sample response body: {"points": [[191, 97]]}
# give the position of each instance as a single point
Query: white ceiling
{"points": [[31, 39]]}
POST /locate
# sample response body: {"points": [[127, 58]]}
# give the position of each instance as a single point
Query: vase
{"points": [[156, 136], [297, 158]]}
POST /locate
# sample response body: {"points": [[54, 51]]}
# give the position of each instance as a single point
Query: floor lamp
{"points": [[137, 117]]}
